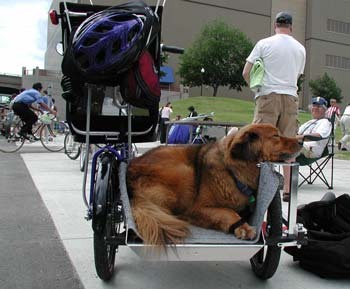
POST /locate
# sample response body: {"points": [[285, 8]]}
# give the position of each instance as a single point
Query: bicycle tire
{"points": [[107, 224], [9, 140], [265, 262], [52, 136], [82, 157], [71, 148]]}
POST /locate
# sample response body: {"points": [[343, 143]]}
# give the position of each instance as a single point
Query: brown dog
{"points": [[172, 186]]}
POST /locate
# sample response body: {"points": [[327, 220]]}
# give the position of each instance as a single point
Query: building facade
{"points": [[322, 26]]}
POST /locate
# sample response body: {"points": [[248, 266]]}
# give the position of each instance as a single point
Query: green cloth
{"points": [[257, 74]]}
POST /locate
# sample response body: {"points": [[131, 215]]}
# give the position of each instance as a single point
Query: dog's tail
{"points": [[156, 226]]}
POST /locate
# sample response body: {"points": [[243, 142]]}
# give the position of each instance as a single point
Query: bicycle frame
{"points": [[120, 155]]}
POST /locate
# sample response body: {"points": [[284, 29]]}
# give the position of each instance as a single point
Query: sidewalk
{"points": [[59, 182]]}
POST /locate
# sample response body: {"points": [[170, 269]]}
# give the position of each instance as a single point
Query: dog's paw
{"points": [[245, 232]]}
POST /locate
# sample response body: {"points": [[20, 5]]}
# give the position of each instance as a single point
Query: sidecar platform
{"points": [[203, 244]]}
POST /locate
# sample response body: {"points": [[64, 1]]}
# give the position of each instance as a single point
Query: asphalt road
{"points": [[31, 252]]}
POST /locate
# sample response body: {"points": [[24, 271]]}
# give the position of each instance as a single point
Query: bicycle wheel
{"points": [[52, 136], [107, 217], [265, 262], [71, 148], [9, 140], [82, 157]]}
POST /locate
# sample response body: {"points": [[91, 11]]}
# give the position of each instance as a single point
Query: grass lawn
{"points": [[233, 110]]}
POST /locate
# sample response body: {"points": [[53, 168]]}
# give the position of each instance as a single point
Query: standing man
{"points": [[276, 101], [345, 129], [166, 112], [23, 105], [333, 108]]}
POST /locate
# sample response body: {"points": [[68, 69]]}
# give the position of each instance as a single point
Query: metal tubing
{"points": [[87, 141], [129, 132], [293, 189]]}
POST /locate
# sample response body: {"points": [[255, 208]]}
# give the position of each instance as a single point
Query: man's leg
{"points": [[267, 109], [26, 115], [288, 126], [345, 131]]}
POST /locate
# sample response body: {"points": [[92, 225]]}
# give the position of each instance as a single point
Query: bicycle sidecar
{"points": [[94, 118]]}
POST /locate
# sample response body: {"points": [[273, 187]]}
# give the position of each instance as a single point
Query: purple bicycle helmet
{"points": [[110, 41]]}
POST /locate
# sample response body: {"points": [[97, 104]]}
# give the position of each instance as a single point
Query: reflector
{"points": [[53, 17]]}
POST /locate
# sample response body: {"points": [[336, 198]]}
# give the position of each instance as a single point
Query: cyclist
{"points": [[23, 105]]}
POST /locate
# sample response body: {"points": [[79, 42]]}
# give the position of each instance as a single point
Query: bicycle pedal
{"points": [[32, 138]]}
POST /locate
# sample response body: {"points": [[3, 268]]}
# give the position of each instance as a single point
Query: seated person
{"points": [[318, 126]]}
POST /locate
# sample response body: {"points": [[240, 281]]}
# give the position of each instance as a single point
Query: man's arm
{"points": [[45, 106], [33, 107], [309, 137], [246, 71]]}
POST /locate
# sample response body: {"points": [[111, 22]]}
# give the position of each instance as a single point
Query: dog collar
{"points": [[244, 189]]}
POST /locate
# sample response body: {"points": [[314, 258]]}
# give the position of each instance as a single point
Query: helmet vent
{"points": [[121, 18], [103, 28], [132, 33], [90, 41]]}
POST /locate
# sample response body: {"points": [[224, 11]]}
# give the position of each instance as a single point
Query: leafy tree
{"points": [[220, 51], [326, 87]]}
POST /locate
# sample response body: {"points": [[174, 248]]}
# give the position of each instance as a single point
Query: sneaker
{"points": [[22, 134], [286, 197], [33, 137]]}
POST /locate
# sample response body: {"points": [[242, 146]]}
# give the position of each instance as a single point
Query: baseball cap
{"points": [[284, 17], [318, 100]]}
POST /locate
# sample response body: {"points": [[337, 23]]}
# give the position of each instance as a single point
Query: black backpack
{"points": [[327, 252]]}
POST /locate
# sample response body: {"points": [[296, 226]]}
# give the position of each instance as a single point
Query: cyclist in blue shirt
{"points": [[23, 105]]}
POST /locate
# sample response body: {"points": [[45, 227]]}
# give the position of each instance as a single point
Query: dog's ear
{"points": [[242, 147]]}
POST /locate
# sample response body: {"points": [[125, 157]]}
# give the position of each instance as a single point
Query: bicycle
{"points": [[76, 150], [107, 202], [50, 132]]}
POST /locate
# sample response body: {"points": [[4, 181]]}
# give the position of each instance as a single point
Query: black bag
{"points": [[327, 253]]}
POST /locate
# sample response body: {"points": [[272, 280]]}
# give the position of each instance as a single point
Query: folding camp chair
{"points": [[316, 165]]}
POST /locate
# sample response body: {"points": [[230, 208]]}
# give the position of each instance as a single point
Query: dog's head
{"points": [[262, 142]]}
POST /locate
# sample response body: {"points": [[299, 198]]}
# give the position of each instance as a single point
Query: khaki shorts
{"points": [[280, 110]]}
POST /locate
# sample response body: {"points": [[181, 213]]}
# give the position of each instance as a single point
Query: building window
{"points": [[338, 26], [338, 62]]}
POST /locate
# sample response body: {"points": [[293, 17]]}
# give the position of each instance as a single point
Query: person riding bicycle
{"points": [[23, 105]]}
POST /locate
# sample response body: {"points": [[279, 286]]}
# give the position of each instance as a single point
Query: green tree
{"points": [[216, 58], [326, 87]]}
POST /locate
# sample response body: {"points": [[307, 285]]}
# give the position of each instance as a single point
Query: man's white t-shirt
{"points": [[284, 62], [321, 126]]}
